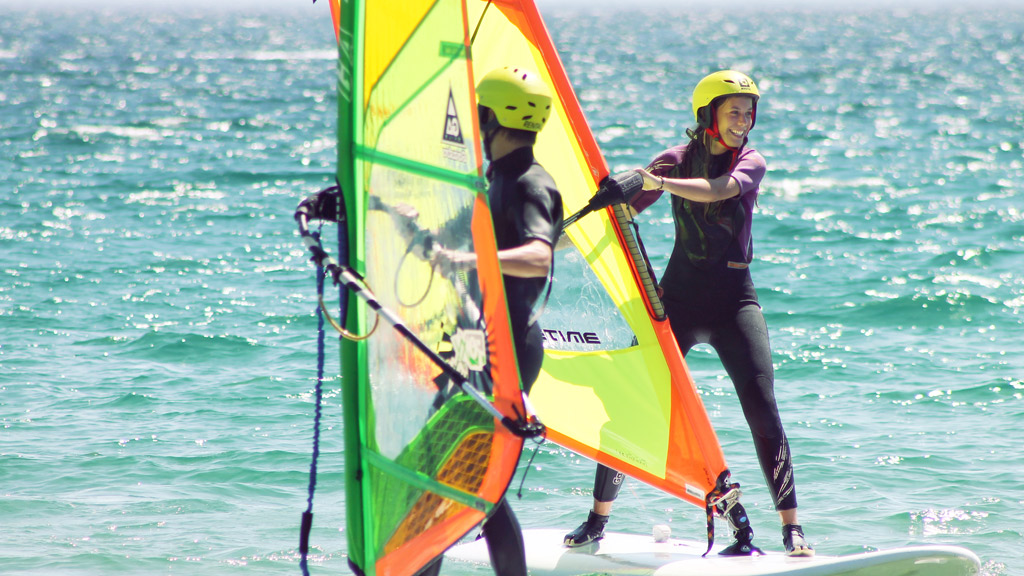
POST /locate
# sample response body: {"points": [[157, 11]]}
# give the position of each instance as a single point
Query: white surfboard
{"points": [[638, 555]]}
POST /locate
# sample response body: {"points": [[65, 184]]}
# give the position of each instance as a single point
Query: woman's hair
{"points": [[697, 158]]}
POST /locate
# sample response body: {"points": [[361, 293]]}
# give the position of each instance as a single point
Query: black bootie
{"points": [[795, 542], [590, 531]]}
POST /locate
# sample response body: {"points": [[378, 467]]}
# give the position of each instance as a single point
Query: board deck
{"points": [[640, 555]]}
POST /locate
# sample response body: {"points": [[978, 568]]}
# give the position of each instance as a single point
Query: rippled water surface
{"points": [[159, 347]]}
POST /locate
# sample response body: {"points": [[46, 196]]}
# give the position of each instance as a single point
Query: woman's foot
{"points": [[590, 531], [794, 541]]}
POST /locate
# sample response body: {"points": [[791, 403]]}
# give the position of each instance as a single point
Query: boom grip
{"points": [[616, 189]]}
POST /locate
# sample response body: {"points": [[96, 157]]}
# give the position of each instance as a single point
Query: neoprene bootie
{"points": [[590, 531]]}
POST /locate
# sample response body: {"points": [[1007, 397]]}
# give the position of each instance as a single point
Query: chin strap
{"points": [[717, 136]]}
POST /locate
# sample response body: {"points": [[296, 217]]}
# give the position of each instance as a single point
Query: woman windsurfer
{"points": [[707, 289]]}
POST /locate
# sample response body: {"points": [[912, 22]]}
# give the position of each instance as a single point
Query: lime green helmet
{"points": [[518, 97], [723, 83]]}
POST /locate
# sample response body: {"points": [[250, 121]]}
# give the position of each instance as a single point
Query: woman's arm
{"points": [[693, 189]]}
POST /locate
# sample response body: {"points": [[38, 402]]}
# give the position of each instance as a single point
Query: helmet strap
{"points": [[713, 133], [712, 128], [488, 129], [488, 140], [492, 119]]}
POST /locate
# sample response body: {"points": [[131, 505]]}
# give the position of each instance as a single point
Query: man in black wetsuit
{"points": [[525, 205], [514, 104]]}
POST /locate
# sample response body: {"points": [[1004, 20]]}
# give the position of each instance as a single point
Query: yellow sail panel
{"points": [[605, 418], [389, 25], [634, 405]]}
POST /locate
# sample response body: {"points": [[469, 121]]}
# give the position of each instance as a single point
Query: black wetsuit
{"points": [[709, 298], [525, 206]]}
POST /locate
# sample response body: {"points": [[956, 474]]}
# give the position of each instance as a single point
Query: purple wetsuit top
{"points": [[749, 170]]}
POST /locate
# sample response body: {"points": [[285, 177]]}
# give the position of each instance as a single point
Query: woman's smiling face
{"points": [[735, 116]]}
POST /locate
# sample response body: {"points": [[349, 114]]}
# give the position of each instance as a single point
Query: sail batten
{"points": [[433, 172]]}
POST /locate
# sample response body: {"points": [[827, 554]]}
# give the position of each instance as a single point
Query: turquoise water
{"points": [[158, 353]]}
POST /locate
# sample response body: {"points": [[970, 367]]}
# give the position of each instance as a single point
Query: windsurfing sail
{"points": [[425, 462], [614, 386]]}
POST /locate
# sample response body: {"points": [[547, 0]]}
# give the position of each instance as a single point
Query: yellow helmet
{"points": [[722, 83], [518, 97]]}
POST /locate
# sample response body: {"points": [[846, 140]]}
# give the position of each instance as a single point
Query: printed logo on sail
{"points": [[470, 347], [571, 336], [453, 148], [452, 126]]}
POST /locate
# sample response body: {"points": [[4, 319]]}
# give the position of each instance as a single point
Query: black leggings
{"points": [[740, 337], [529, 355]]}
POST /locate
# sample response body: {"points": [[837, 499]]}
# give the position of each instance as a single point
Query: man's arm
{"points": [[531, 260]]}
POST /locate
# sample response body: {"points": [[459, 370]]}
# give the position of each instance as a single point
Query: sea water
{"points": [[158, 348]]}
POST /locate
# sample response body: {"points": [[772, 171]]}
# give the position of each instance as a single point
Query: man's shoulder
{"points": [[539, 188], [537, 179]]}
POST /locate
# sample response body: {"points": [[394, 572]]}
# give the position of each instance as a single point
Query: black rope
{"points": [[307, 516], [536, 448]]}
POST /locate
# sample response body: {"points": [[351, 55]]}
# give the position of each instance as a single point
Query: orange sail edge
{"points": [[686, 402], [526, 17], [624, 467], [507, 397], [694, 460], [420, 550], [692, 408], [412, 547], [504, 367], [435, 522], [336, 18]]}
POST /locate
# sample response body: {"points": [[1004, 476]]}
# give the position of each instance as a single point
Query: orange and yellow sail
{"points": [[614, 386]]}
